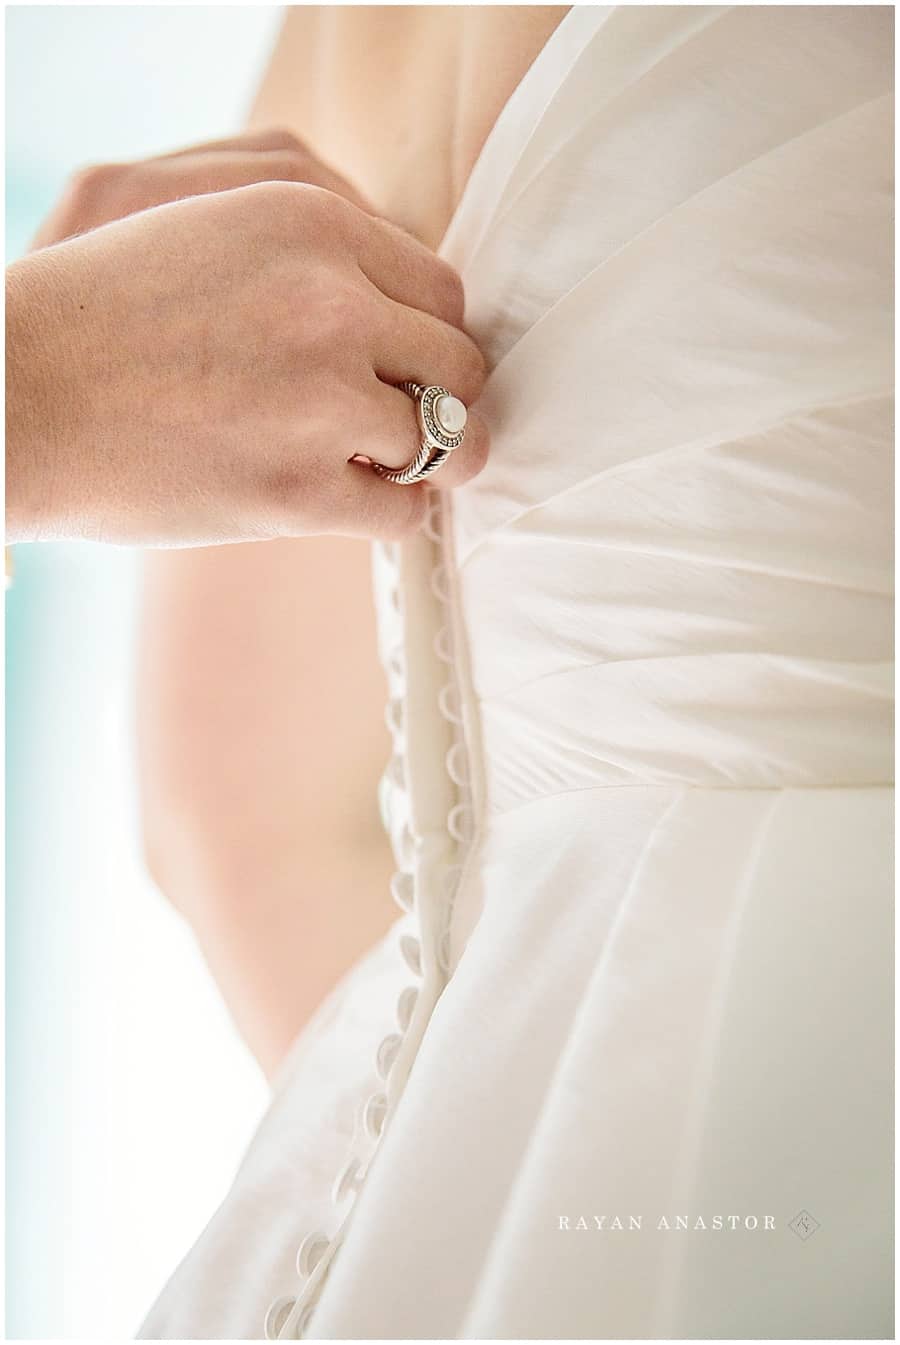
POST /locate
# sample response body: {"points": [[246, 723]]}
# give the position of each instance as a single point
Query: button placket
{"points": [[310, 1252], [426, 951], [278, 1315], [403, 890], [348, 1181], [374, 1113]]}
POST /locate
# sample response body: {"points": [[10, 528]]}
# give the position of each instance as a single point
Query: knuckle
{"points": [[291, 209], [276, 196], [91, 181], [280, 138], [442, 288], [322, 215], [287, 166], [470, 370], [450, 288], [281, 201], [331, 210]]}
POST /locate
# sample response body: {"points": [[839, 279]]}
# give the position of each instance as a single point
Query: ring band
{"points": [[442, 425]]}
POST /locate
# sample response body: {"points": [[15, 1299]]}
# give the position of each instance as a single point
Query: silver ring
{"points": [[442, 425]]}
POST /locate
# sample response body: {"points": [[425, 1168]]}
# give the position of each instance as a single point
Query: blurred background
{"points": [[129, 1098]]}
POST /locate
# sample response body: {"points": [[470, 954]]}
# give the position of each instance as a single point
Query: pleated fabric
{"points": [[623, 1067]]}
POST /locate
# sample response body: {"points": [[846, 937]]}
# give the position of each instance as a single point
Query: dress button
{"points": [[406, 1006], [277, 1315], [387, 1054], [385, 790], [448, 703], [442, 645], [310, 1252], [302, 1321], [459, 822], [457, 765], [406, 847], [411, 952], [348, 1182], [393, 716], [403, 890], [373, 1116], [394, 664]]}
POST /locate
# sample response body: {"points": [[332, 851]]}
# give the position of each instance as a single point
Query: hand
{"points": [[209, 370], [110, 191]]}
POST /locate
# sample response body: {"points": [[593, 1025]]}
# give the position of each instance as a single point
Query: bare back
{"points": [[401, 98]]}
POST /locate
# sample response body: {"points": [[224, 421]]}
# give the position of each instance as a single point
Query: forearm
{"points": [[42, 402]]}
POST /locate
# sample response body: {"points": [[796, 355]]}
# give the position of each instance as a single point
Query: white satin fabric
{"points": [[641, 696]]}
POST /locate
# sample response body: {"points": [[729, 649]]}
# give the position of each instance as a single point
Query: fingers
{"points": [[407, 344], [274, 138], [401, 267], [175, 178], [408, 272], [467, 460], [360, 503], [392, 437], [368, 506], [258, 156], [390, 434]]}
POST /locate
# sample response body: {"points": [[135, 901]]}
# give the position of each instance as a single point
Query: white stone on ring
{"points": [[451, 414]]}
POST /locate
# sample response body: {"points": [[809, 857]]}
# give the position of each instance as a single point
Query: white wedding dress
{"points": [[641, 676]]}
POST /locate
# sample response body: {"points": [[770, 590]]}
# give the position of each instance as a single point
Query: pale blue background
{"points": [[129, 1097]]}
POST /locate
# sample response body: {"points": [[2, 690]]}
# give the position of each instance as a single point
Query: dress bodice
{"points": [[677, 564]]}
